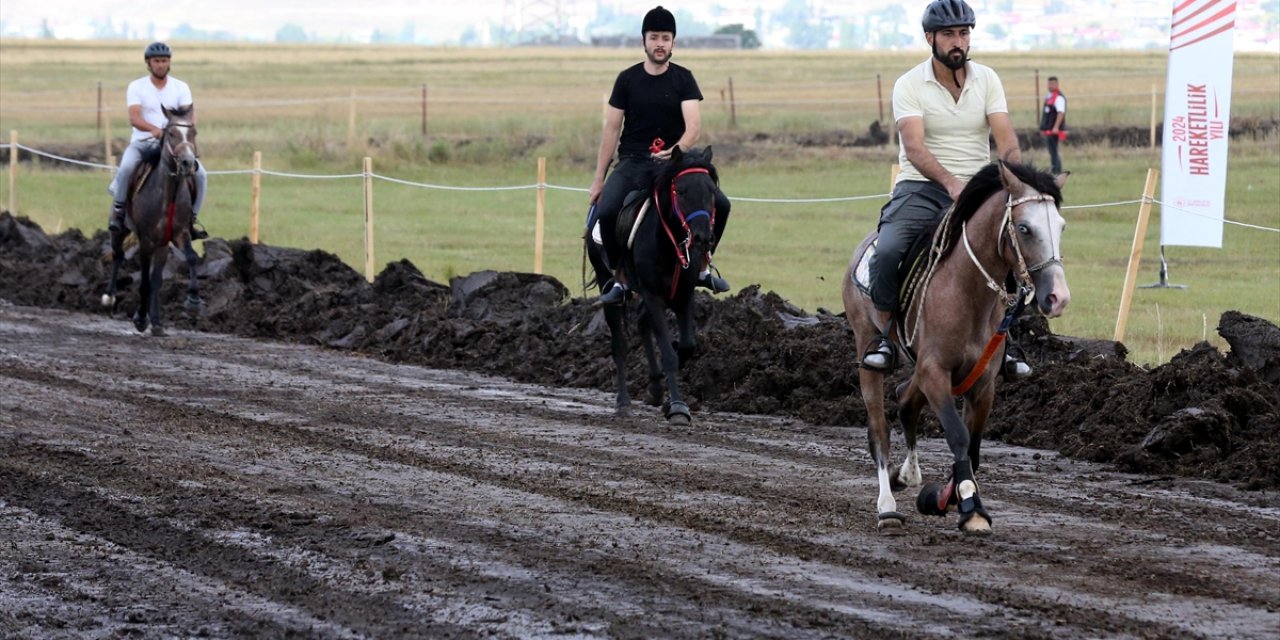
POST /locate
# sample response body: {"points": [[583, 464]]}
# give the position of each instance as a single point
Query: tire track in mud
{"points": [[313, 412]]}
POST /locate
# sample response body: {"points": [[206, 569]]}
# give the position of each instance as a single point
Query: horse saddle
{"points": [[632, 206], [910, 270]]}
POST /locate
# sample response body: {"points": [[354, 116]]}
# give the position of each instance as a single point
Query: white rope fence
{"points": [[543, 185]]}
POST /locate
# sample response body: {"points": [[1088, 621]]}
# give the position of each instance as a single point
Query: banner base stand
{"points": [[1164, 276]]}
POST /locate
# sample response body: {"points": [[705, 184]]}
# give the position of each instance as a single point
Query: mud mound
{"points": [[1204, 414]]}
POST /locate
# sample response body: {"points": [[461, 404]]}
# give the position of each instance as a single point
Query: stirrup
{"points": [[197, 230], [615, 295], [713, 282], [880, 356], [1016, 369]]}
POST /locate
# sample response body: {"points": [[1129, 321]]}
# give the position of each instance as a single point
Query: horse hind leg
{"points": [[157, 284], [109, 299], [910, 405], [615, 317]]}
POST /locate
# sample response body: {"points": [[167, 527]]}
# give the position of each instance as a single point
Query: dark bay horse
{"points": [[159, 214], [1006, 221], [668, 246]]}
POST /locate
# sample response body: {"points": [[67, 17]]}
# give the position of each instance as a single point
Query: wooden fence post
{"points": [[13, 172], [1135, 254], [424, 109], [99, 105], [257, 194], [541, 215], [351, 122], [368, 218]]}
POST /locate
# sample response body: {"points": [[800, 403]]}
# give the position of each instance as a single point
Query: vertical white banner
{"points": [[1197, 115]]}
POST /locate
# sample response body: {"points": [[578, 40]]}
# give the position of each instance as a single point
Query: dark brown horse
{"points": [[668, 245], [159, 213], [1006, 221]]}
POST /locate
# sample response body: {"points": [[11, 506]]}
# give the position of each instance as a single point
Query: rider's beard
{"points": [[955, 63], [650, 53]]}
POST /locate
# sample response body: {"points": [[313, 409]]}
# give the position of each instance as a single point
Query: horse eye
{"points": [[1024, 229]]}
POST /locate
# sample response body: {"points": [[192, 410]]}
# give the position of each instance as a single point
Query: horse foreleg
{"points": [[962, 489], [677, 411], [614, 316], [157, 283], [688, 341], [193, 290], [977, 409], [140, 317]]}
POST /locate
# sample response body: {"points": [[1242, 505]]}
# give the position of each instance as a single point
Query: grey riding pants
{"points": [[913, 207]]}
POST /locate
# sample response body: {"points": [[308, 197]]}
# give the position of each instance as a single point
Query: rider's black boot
{"points": [[880, 355]]}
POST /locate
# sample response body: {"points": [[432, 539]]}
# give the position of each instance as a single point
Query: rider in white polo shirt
{"points": [[947, 109], [145, 97]]}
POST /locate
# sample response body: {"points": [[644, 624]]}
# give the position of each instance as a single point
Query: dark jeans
{"points": [[913, 207], [1055, 161], [632, 174]]}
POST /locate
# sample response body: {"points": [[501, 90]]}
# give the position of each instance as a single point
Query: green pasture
{"points": [[492, 113]]}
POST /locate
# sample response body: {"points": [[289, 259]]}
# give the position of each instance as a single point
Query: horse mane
{"points": [[986, 183]]}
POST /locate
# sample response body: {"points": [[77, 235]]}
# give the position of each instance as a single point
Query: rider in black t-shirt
{"points": [[653, 108]]}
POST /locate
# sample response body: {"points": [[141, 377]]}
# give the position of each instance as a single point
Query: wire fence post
{"points": [[1135, 254], [880, 97], [541, 215], [1153, 115], [351, 122], [368, 218], [13, 172], [733, 107], [257, 195]]}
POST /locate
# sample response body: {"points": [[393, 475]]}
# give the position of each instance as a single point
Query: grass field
{"points": [[491, 113]]}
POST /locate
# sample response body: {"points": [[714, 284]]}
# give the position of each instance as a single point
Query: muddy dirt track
{"points": [[333, 472]]}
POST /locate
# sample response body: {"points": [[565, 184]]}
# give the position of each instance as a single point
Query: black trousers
{"points": [[912, 208]]}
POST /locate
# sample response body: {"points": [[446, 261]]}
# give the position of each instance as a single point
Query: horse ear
{"points": [[1011, 182], [707, 154], [1061, 178], [676, 153]]}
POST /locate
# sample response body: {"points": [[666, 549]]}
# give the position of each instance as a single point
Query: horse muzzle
{"points": [[1052, 293]]}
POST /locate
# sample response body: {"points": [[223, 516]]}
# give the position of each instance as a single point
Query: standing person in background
{"points": [[145, 97], [948, 108], [1053, 124], [653, 109]]}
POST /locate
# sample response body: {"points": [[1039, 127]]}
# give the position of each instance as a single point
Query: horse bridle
{"points": [[1022, 272], [173, 150], [682, 248]]}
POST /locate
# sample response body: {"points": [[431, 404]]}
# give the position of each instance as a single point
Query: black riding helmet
{"points": [[658, 19], [157, 50], [941, 14]]}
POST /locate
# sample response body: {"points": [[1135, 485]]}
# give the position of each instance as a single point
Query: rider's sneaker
{"points": [[713, 282], [115, 221], [615, 295], [1015, 369], [197, 230], [879, 356]]}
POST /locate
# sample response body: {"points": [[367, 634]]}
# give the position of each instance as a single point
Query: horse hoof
{"points": [[140, 323], [678, 413], [622, 411], [891, 523], [157, 331], [977, 526], [108, 300], [193, 302], [896, 483], [655, 400], [934, 499]]}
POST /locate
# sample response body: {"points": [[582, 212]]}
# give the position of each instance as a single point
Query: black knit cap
{"points": [[658, 19]]}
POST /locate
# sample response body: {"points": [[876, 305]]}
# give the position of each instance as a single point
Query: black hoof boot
{"points": [[197, 231]]}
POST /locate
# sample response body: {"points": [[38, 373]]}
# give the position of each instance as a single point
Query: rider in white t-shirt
{"points": [[145, 97]]}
